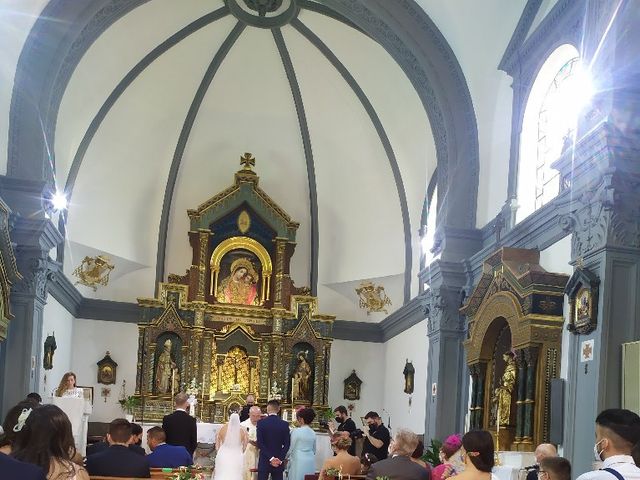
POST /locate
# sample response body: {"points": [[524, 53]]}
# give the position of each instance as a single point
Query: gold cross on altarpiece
{"points": [[247, 161]]}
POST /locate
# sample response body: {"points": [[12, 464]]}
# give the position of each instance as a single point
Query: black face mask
{"points": [[373, 427], [338, 419]]}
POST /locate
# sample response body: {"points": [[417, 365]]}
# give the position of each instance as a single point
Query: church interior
{"points": [[421, 208]]}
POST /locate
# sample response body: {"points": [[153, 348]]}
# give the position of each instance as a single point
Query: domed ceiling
{"points": [[167, 99]]}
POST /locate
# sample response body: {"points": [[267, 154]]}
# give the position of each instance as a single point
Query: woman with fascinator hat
{"points": [[451, 463]]}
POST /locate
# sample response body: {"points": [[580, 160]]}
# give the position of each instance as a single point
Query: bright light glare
{"points": [[59, 201], [574, 95]]}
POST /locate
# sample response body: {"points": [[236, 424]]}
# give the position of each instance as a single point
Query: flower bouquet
{"points": [[190, 473]]}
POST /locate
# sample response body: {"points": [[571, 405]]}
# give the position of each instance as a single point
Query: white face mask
{"points": [[597, 454]]}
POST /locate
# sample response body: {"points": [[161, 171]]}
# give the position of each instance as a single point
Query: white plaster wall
{"points": [[16, 19], [412, 344], [58, 322], [91, 340], [556, 259], [368, 360]]}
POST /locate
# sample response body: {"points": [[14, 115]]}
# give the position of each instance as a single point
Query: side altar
{"points": [[515, 316], [234, 323]]}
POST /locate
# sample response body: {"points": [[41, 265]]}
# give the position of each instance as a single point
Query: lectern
{"points": [[78, 411]]}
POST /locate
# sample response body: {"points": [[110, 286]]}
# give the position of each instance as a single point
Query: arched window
{"points": [[428, 228], [548, 126]]}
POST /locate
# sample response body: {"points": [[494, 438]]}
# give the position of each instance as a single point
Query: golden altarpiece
{"points": [[515, 316], [235, 323]]}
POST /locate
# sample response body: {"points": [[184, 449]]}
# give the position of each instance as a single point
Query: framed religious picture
{"points": [[582, 290], [352, 387], [107, 370], [87, 393]]}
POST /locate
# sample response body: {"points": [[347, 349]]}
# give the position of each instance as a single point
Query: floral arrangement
{"points": [[190, 473], [192, 388], [333, 472], [129, 403]]}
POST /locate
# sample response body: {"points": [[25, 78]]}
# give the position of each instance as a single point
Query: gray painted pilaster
{"points": [[34, 239], [446, 367]]}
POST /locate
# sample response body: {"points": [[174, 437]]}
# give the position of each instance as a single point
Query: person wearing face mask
{"points": [[478, 454], [346, 424], [244, 412], [617, 433], [377, 437]]}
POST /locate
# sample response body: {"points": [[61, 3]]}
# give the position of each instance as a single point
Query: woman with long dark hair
{"points": [[478, 455], [46, 440], [10, 431], [67, 387]]}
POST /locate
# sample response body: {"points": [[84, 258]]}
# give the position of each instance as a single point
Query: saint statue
{"points": [[166, 370], [301, 380], [503, 393], [240, 286]]}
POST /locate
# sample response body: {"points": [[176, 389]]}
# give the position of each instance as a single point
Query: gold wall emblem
{"points": [[94, 271], [373, 297], [244, 222]]}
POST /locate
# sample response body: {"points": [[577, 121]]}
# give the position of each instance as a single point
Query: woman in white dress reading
{"points": [[231, 442], [67, 387]]}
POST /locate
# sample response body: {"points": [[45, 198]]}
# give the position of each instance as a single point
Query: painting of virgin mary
{"points": [[241, 285]]}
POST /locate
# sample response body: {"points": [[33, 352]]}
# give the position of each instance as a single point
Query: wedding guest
{"points": [[118, 460], [302, 452], [399, 465], [180, 427], [12, 468], [416, 456], [46, 440], [448, 456], [251, 452], [543, 450], [366, 461], [135, 442], [617, 433], [346, 424], [244, 412], [554, 468], [9, 434], [273, 441], [163, 455], [377, 436], [343, 461], [35, 397], [478, 455], [67, 387]]}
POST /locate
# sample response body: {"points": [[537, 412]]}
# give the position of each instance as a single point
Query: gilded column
{"points": [[473, 408], [203, 237], [281, 244], [531, 359], [219, 363], [318, 380], [327, 363], [253, 363], [521, 394]]}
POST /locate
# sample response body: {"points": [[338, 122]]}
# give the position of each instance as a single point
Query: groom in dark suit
{"points": [[273, 442]]}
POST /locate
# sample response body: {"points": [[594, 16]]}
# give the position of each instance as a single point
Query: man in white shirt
{"points": [[251, 453], [617, 431]]}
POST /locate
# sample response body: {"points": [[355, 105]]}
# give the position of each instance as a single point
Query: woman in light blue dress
{"points": [[302, 452]]}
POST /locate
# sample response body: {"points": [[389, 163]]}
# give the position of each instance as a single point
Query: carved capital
{"points": [[442, 308], [35, 269]]}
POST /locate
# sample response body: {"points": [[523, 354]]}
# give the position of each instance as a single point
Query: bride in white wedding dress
{"points": [[230, 443]]}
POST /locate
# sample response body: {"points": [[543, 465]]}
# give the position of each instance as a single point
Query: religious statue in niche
{"points": [[167, 374], [301, 381], [409, 374], [49, 349], [352, 387], [503, 393], [241, 285]]}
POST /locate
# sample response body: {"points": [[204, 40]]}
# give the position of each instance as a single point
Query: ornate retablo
{"points": [[234, 323], [513, 349]]}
